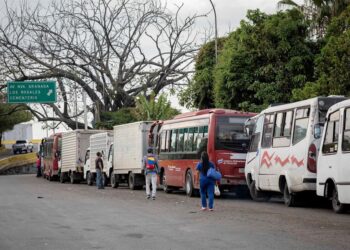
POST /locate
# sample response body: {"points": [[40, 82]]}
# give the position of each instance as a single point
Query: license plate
{"points": [[241, 170]]}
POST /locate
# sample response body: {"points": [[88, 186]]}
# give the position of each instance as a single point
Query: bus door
{"points": [[252, 165], [330, 148], [343, 171]]}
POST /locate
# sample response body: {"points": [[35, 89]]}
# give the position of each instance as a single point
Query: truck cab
{"points": [[87, 166]]}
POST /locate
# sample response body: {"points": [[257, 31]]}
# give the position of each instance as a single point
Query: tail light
{"points": [[311, 159]]}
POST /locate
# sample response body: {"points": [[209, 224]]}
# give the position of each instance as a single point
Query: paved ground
{"points": [[37, 214]]}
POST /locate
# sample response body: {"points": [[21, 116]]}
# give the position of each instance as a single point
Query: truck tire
{"points": [[189, 184], [114, 182], [71, 177], [62, 179], [337, 206], [131, 181], [89, 179]]}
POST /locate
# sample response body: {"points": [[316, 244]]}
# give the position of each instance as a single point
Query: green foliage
{"points": [[152, 109], [332, 64], [263, 61], [122, 116], [199, 93]]}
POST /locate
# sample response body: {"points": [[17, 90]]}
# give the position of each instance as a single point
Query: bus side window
{"points": [[180, 142], [301, 123], [163, 141], [173, 140], [346, 134], [202, 141], [283, 124], [268, 129], [189, 140], [330, 144]]}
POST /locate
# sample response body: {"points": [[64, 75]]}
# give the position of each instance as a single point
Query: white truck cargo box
{"points": [[130, 145], [100, 142], [74, 145]]}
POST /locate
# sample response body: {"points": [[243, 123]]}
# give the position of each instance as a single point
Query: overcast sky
{"points": [[229, 12]]}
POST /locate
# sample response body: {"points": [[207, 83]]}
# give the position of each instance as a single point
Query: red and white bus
{"points": [[51, 154], [180, 141]]}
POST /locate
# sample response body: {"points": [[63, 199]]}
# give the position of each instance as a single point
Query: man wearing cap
{"points": [[150, 167]]}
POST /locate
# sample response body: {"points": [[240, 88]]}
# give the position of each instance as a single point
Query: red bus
{"points": [[51, 153], [180, 141]]}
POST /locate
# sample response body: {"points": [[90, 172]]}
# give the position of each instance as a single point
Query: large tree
{"points": [[332, 64], [112, 50], [200, 93], [263, 61]]}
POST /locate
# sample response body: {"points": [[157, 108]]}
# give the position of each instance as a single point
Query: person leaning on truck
{"points": [[150, 167], [99, 169]]}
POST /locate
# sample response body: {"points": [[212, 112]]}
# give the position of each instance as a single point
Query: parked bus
{"points": [[333, 173], [51, 154], [180, 141], [283, 149]]}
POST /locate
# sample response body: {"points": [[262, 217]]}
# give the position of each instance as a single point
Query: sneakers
{"points": [[153, 197], [148, 197], [211, 209], [203, 208]]}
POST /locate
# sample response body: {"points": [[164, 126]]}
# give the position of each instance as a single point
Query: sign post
{"points": [[31, 92]]}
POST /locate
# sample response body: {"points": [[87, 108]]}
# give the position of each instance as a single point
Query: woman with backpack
{"points": [[206, 184]]}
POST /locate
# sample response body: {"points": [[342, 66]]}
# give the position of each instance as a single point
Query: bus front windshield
{"points": [[230, 134]]}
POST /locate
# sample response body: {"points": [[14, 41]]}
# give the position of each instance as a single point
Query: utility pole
{"points": [[216, 33], [76, 106]]}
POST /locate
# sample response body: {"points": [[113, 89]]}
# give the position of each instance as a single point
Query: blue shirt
{"points": [[200, 166]]}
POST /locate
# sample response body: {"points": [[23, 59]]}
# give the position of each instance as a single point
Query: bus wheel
{"points": [[166, 188], [132, 181], [89, 180], [62, 180], [189, 184], [337, 206], [289, 199], [71, 176], [255, 194], [114, 182]]}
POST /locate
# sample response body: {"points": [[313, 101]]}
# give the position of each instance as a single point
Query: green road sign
{"points": [[31, 92]]}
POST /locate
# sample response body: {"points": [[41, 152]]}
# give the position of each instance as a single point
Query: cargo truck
{"points": [[100, 142], [130, 145], [74, 146]]}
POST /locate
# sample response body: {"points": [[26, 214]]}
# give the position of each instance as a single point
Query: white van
{"points": [[284, 146], [333, 171]]}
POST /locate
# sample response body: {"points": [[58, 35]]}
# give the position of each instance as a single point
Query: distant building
{"points": [[32, 131]]}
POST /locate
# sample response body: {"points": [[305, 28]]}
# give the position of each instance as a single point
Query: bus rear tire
{"points": [[190, 192], [289, 198], [337, 206]]}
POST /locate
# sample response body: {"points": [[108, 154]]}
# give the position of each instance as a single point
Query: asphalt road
{"points": [[37, 214]]}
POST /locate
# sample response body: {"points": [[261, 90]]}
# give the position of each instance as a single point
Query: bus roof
{"points": [[214, 111], [299, 103]]}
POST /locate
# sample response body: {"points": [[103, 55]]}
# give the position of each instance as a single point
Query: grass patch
{"points": [[17, 161]]}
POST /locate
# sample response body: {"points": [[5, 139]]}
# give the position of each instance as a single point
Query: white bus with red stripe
{"points": [[284, 145]]}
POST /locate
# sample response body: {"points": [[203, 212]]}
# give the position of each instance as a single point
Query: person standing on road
{"points": [[38, 165], [206, 184], [99, 170], [150, 167]]}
